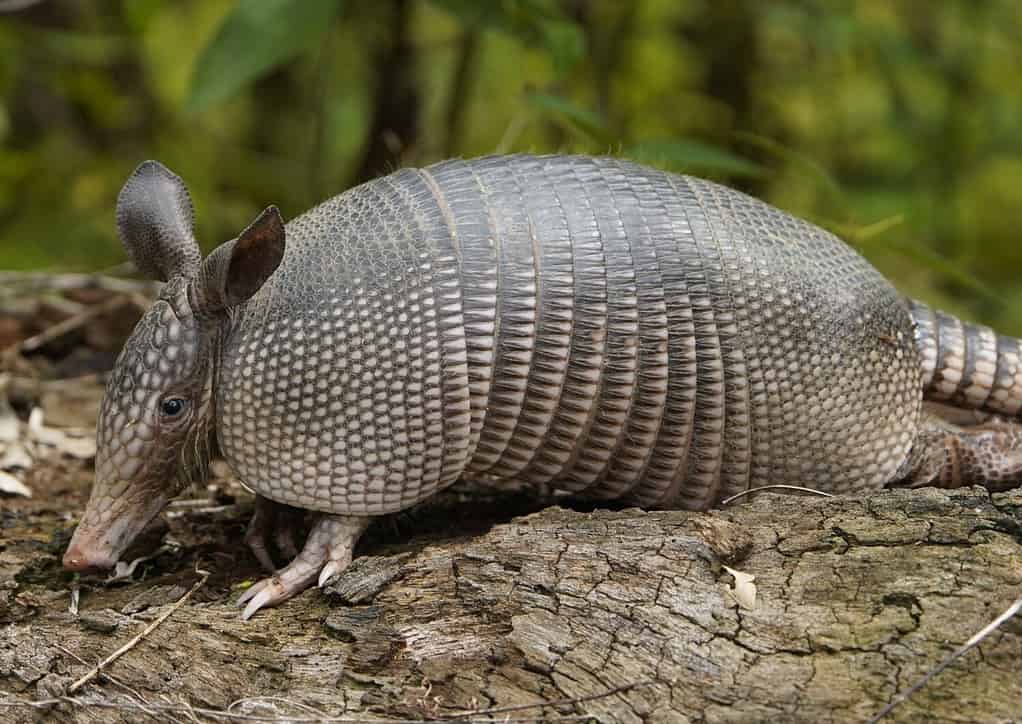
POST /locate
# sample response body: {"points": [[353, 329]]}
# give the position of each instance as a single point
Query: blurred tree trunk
{"points": [[727, 44], [461, 84], [726, 40], [609, 40], [395, 124]]}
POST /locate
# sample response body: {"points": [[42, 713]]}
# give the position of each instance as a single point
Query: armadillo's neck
{"points": [[218, 343]]}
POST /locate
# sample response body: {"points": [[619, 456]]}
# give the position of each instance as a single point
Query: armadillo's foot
{"points": [[327, 551], [949, 456], [276, 521]]}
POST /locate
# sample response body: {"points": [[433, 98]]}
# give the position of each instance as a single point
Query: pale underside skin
{"points": [[615, 331]]}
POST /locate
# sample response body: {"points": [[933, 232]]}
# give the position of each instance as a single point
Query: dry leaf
{"points": [[8, 426], [40, 433], [35, 419], [744, 591], [124, 570], [12, 486], [14, 456], [76, 444], [81, 447]]}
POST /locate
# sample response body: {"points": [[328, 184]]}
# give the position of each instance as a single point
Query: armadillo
{"points": [[608, 329]]}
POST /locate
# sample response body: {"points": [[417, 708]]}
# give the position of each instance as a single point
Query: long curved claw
{"points": [[275, 590], [331, 569], [327, 552], [252, 591]]}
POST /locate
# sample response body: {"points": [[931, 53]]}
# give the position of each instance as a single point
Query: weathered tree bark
{"points": [[856, 600]]}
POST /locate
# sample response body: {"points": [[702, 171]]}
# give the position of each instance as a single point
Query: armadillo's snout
{"points": [[111, 523], [77, 558]]}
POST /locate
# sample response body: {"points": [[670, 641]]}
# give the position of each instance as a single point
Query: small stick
{"points": [[134, 642], [800, 489], [208, 510], [283, 700], [71, 323], [960, 651], [28, 282], [114, 680]]}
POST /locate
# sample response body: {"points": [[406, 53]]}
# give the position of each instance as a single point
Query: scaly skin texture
{"points": [[350, 383], [144, 458], [157, 416], [616, 331], [968, 365]]}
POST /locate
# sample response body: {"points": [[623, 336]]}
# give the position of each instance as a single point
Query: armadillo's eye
{"points": [[172, 406]]}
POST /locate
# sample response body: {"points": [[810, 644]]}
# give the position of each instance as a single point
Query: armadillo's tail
{"points": [[967, 365]]}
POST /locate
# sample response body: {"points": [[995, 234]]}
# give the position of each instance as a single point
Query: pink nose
{"points": [[76, 559]]}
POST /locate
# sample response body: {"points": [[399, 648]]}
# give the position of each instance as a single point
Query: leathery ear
{"points": [[154, 221], [235, 271]]}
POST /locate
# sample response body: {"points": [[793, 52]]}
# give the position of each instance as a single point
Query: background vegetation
{"points": [[894, 123]]}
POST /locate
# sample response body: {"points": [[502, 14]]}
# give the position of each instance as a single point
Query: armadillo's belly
{"points": [[618, 331]]}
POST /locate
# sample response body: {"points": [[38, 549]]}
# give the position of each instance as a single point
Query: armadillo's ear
{"points": [[256, 255], [154, 219], [235, 271]]}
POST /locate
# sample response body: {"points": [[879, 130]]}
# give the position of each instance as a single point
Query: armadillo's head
{"points": [[156, 420]]}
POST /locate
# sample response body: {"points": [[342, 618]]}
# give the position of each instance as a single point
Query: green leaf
{"points": [[565, 42], [947, 268], [690, 155], [785, 153], [581, 119], [862, 235], [473, 13], [256, 37], [535, 23]]}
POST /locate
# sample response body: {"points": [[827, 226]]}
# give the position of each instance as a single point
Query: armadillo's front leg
{"points": [[272, 521], [949, 456], [327, 551]]}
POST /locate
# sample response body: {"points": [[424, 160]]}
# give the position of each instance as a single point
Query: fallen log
{"points": [[617, 615]]}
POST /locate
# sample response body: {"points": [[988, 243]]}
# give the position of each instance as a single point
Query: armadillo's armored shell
{"points": [[615, 329], [344, 382]]}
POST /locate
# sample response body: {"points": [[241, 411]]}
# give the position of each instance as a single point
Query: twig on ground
{"points": [[134, 642], [798, 488], [281, 700], [117, 682], [19, 283], [1013, 609], [71, 323], [208, 510]]}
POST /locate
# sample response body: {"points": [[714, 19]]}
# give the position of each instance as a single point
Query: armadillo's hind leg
{"points": [[949, 456], [274, 522], [327, 551]]}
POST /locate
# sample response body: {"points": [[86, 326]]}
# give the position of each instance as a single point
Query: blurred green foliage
{"points": [[895, 124]]}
